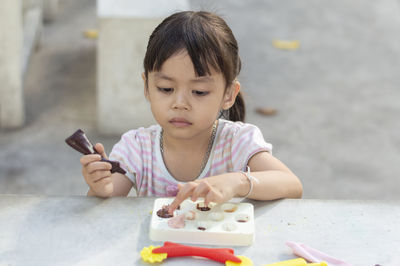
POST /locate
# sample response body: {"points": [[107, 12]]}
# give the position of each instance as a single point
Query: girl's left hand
{"points": [[216, 189]]}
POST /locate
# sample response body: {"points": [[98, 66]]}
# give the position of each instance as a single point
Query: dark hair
{"points": [[209, 42]]}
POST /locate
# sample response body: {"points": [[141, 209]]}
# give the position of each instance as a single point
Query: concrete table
{"points": [[41, 230]]}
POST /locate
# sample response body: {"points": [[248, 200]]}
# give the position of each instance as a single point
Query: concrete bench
{"points": [[20, 27], [124, 29]]}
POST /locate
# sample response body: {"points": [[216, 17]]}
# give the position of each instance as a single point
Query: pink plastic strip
{"points": [[314, 255]]}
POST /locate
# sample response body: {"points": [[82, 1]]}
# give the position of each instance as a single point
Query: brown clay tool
{"points": [[81, 143]]}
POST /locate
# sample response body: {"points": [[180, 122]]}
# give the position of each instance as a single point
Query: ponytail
{"points": [[238, 110]]}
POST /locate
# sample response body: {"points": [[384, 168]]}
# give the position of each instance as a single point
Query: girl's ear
{"points": [[230, 95], [146, 91]]}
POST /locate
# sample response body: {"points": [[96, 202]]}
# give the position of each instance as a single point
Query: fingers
{"points": [[213, 196], [201, 190], [97, 173], [208, 192], [184, 192], [93, 169], [86, 159], [195, 190], [98, 166], [100, 149], [205, 189]]}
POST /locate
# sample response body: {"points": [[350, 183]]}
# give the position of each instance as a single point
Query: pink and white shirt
{"points": [[139, 154]]}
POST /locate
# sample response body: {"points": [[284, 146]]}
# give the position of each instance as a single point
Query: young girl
{"points": [[190, 70]]}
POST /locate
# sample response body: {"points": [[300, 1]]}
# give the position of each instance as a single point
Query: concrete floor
{"points": [[337, 125]]}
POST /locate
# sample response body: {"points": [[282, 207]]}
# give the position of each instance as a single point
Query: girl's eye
{"points": [[165, 90], [200, 93]]}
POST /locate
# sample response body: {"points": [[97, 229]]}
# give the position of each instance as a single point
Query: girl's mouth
{"points": [[180, 122]]}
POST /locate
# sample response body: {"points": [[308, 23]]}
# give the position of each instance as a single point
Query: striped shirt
{"points": [[139, 154]]}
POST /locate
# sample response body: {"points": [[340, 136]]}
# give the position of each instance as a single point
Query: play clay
{"points": [[229, 224], [296, 262], [169, 249], [177, 221], [314, 255], [148, 255]]}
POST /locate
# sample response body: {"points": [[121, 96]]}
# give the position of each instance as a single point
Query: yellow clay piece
{"points": [[296, 262], [245, 262], [286, 45], [148, 256], [293, 262]]}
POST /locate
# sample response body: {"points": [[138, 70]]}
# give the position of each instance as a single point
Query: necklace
{"points": [[209, 147]]}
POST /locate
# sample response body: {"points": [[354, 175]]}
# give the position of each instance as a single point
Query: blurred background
{"points": [[320, 78]]}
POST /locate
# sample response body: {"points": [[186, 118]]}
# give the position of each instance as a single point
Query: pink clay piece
{"points": [[177, 221]]}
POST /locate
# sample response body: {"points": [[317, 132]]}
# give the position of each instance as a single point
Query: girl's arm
{"points": [[275, 181]]}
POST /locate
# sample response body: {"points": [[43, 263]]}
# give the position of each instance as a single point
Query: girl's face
{"points": [[183, 104]]}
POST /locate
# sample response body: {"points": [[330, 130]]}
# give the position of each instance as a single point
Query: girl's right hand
{"points": [[97, 174]]}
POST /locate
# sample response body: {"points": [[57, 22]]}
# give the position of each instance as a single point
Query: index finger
{"points": [[86, 159], [183, 194]]}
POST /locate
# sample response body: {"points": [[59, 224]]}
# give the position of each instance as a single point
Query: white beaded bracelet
{"points": [[251, 179]]}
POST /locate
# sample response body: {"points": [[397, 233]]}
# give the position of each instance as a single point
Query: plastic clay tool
{"points": [[229, 224], [314, 255], [296, 262], [170, 249], [81, 143]]}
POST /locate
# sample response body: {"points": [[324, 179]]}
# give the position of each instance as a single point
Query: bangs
{"points": [[185, 31]]}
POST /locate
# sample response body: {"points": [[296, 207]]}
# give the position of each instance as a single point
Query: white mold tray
{"points": [[229, 224]]}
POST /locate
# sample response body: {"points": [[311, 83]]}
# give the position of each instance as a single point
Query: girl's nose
{"points": [[181, 102]]}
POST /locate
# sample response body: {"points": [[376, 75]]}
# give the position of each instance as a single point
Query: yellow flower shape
{"points": [[245, 261], [148, 256]]}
